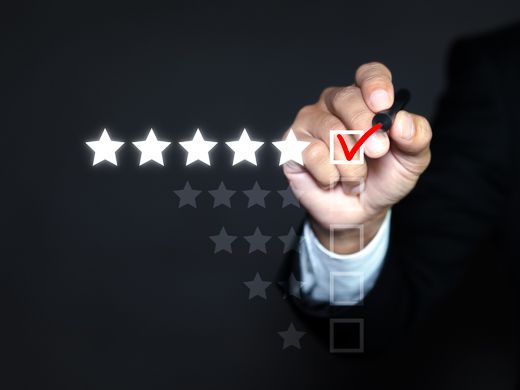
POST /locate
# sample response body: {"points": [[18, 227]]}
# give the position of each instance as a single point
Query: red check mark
{"points": [[350, 154]]}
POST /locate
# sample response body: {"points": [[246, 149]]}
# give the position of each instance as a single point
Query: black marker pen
{"points": [[386, 117]]}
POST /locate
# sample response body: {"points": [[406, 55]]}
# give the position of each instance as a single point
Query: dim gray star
{"points": [[289, 198], [291, 287], [223, 241], [291, 337], [256, 196], [187, 196], [222, 195], [291, 241], [257, 287], [257, 241]]}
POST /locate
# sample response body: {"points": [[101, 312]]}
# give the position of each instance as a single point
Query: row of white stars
{"points": [[198, 148]]}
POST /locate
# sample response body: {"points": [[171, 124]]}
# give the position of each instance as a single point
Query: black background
{"points": [[106, 283]]}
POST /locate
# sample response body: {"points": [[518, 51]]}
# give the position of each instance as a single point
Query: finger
{"points": [[316, 160], [411, 135], [316, 156], [320, 123], [348, 104], [302, 184], [375, 81]]}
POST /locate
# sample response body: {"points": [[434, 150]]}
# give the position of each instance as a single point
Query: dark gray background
{"points": [[106, 283]]}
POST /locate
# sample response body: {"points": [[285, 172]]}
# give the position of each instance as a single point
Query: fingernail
{"points": [[376, 143], [347, 186], [356, 190], [292, 165], [407, 127], [351, 187], [380, 99]]}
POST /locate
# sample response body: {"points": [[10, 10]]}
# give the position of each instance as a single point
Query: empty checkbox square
{"points": [[346, 335], [352, 282], [341, 201], [356, 230]]}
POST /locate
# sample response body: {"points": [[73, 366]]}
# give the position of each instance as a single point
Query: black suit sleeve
{"points": [[456, 203]]}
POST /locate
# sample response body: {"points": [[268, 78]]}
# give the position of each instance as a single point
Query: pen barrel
{"points": [[386, 117]]}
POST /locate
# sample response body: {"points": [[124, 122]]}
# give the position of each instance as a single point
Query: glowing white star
{"points": [[244, 148], [151, 149], [291, 148], [105, 148], [198, 148]]}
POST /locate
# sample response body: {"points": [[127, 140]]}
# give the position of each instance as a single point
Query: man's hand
{"points": [[390, 170]]}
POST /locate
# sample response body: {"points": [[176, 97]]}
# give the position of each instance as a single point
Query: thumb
{"points": [[411, 135], [301, 182]]}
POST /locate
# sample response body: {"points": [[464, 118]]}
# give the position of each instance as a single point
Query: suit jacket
{"points": [[470, 192]]}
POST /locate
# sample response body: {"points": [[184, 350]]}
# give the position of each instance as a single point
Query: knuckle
{"points": [[343, 95], [422, 163], [424, 130], [359, 117], [327, 92], [373, 68], [427, 159], [427, 129], [328, 179], [329, 122], [374, 82], [417, 164], [365, 68], [380, 67], [305, 111], [315, 153]]}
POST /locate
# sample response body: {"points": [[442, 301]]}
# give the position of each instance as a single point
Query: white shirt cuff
{"points": [[341, 279]]}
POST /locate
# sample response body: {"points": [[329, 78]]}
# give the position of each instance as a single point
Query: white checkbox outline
{"points": [[343, 227], [333, 134], [361, 289], [361, 194], [361, 323]]}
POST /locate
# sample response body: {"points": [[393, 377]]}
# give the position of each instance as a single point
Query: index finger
{"points": [[375, 81]]}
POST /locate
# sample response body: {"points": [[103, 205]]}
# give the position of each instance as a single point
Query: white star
{"points": [[105, 148], [244, 148], [291, 148], [198, 149], [151, 149]]}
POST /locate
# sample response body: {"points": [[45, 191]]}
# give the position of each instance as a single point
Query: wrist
{"points": [[347, 241]]}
